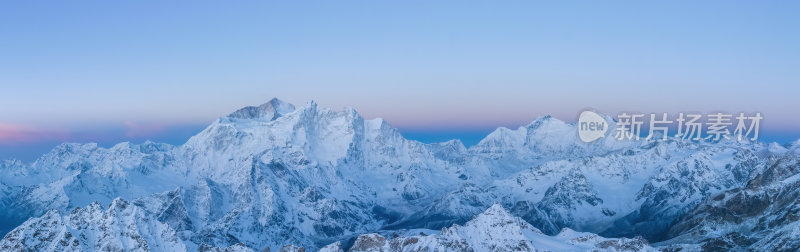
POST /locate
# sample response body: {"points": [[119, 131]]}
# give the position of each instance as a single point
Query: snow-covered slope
{"points": [[271, 175]]}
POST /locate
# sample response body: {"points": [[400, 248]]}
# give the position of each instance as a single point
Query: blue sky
{"points": [[110, 71]]}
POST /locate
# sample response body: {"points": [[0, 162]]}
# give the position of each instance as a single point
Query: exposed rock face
{"points": [[762, 215], [292, 248]]}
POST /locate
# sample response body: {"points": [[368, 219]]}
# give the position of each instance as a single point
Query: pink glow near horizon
{"points": [[16, 134]]}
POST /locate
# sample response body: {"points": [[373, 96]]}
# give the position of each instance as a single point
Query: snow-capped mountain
{"points": [[283, 177], [763, 214], [121, 227], [493, 230]]}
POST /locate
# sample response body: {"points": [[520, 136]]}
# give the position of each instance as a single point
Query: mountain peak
{"points": [[546, 121], [793, 145], [496, 208], [271, 110], [495, 214]]}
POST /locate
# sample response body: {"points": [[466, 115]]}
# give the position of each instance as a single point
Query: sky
{"points": [[112, 71]]}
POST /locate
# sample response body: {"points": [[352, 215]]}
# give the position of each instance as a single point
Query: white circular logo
{"points": [[591, 126]]}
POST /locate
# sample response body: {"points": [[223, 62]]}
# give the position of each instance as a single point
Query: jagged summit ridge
{"points": [[495, 229], [271, 110]]}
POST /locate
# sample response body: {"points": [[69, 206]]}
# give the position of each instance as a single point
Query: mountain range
{"points": [[284, 178]]}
